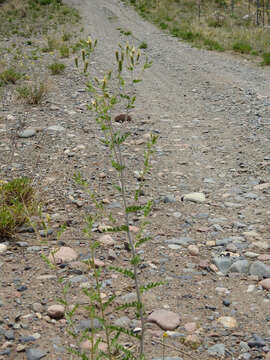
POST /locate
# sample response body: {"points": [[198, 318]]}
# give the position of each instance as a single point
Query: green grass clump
{"points": [[17, 204], [64, 51], [266, 59], [32, 94], [163, 25], [213, 45], [242, 47], [143, 45], [124, 32], [56, 68], [10, 76]]}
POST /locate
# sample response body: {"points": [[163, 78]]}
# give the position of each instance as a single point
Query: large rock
{"points": [[35, 354], [260, 269], [63, 255], [240, 266], [217, 350], [223, 263], [56, 311], [165, 319], [196, 197], [265, 283]]}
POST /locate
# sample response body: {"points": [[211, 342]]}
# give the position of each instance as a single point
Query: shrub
{"points": [[17, 204], [32, 94], [242, 47], [57, 68]]}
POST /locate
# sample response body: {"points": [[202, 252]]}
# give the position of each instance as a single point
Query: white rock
{"points": [[227, 321], [196, 197], [3, 248]]}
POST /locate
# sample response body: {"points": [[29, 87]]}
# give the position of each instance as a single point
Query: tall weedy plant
{"points": [[116, 90]]}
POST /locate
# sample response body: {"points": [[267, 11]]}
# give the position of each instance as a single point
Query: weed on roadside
{"points": [[115, 89], [17, 203], [64, 51], [266, 59], [10, 76], [242, 47], [32, 94], [56, 68]]}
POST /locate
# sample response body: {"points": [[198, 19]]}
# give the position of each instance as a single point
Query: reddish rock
{"points": [[264, 257], [265, 283], [165, 319], [133, 228], [56, 311], [204, 264], [99, 263], [63, 255], [87, 346], [106, 240]]}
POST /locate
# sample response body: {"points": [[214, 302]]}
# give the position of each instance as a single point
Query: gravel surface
{"points": [[210, 183]]}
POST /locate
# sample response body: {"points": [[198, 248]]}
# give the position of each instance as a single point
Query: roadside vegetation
{"points": [[33, 34], [240, 26]]}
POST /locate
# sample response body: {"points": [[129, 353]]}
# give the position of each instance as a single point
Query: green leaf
{"points": [[135, 81], [117, 187], [134, 208], [142, 241], [133, 304], [117, 166], [148, 208], [109, 301], [126, 272], [151, 285], [135, 260]]}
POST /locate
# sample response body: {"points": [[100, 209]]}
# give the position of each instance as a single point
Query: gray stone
{"points": [[217, 350], [260, 269], [22, 243], [79, 278], [37, 307], [128, 298], [240, 266], [244, 346], [54, 128], [88, 324], [45, 233], [251, 195], [27, 133], [35, 354], [180, 241], [9, 335], [34, 248], [223, 263], [223, 242], [123, 321]]}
